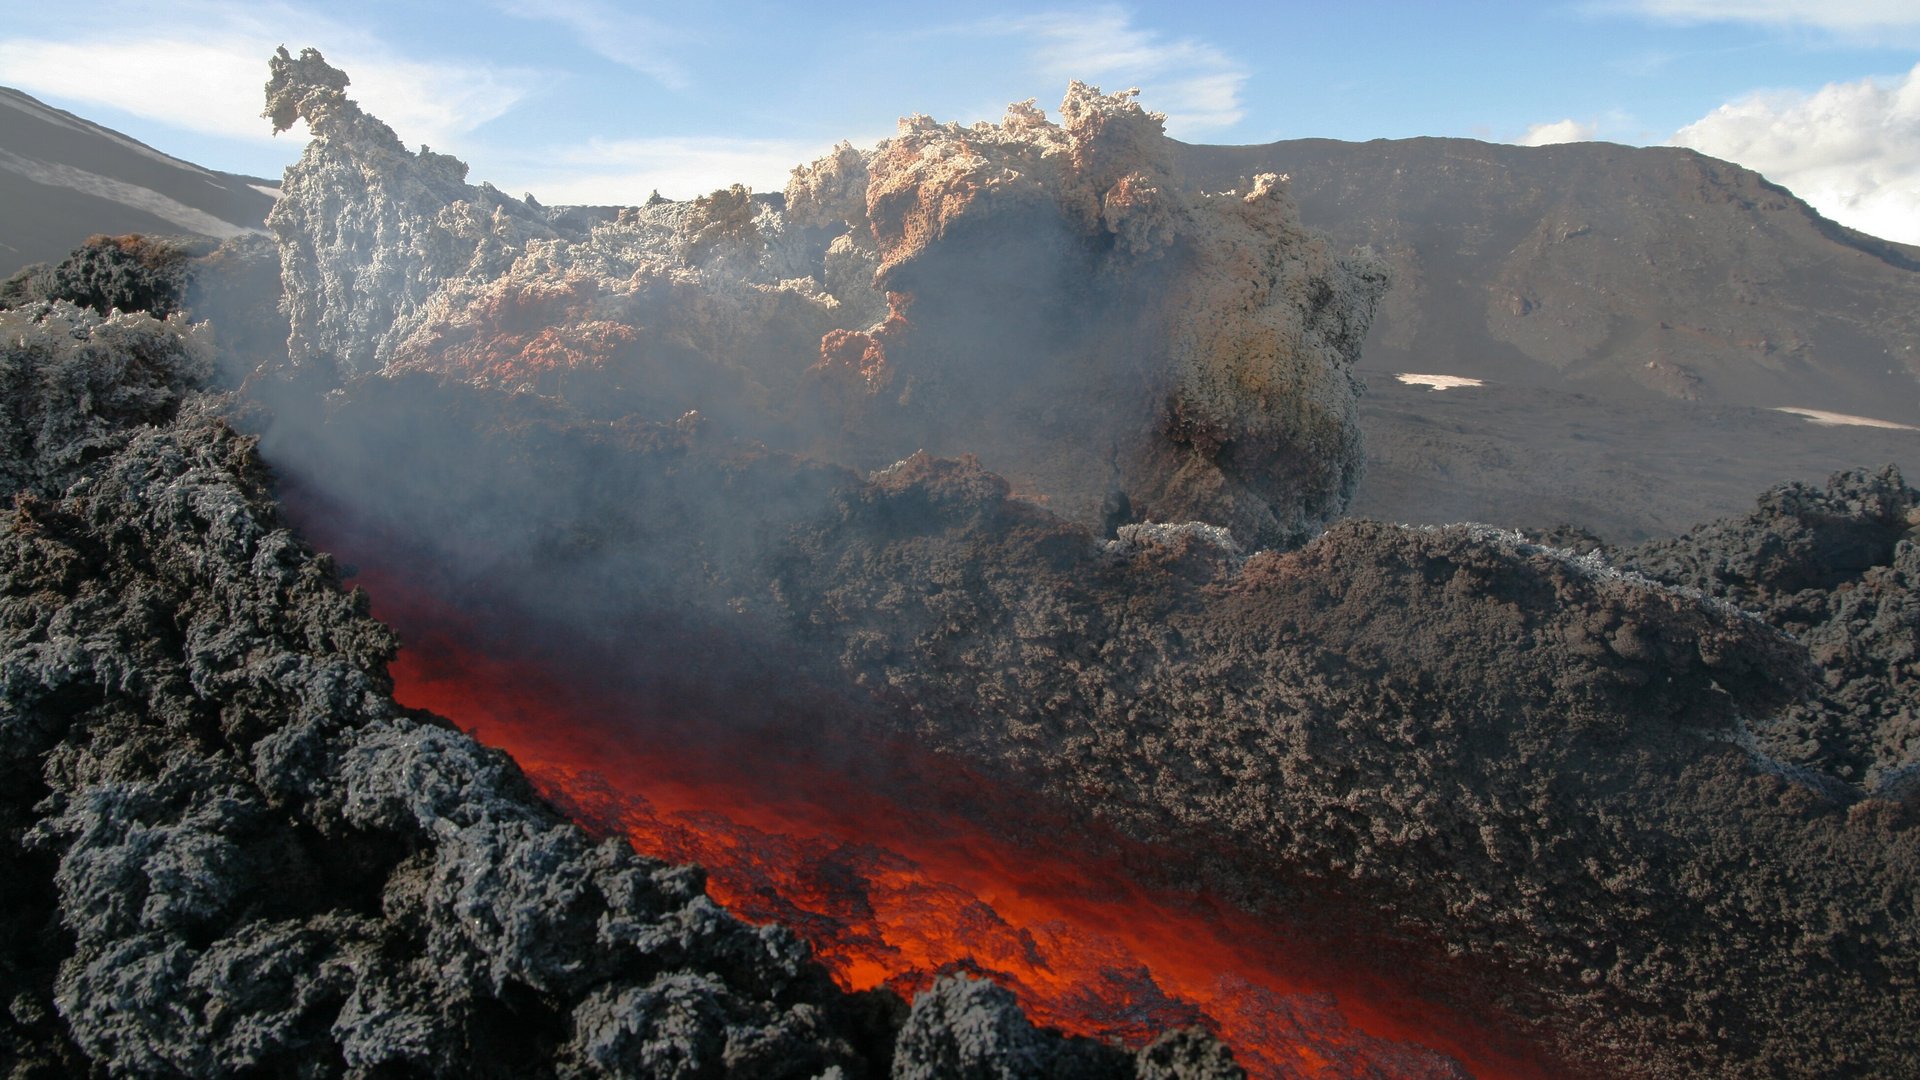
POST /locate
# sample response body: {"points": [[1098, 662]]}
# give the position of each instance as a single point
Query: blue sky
{"points": [[604, 101]]}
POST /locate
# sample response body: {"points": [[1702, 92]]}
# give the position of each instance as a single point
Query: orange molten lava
{"points": [[893, 885]]}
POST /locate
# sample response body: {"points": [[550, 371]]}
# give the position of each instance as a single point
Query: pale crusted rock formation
{"points": [[367, 229], [1092, 327], [78, 384], [392, 262], [1042, 294]]}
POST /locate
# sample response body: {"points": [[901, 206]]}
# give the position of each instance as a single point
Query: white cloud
{"points": [[211, 82], [624, 172], [429, 102], [1851, 149], [1560, 131], [211, 87], [626, 38], [1837, 15], [1196, 84]]}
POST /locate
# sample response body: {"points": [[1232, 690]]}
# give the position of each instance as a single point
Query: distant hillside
{"points": [[1637, 316], [63, 178], [1588, 264]]}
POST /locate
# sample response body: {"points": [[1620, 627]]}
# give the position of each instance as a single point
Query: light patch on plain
{"points": [[1851, 150], [1439, 382], [210, 81], [147, 200], [1834, 419], [625, 172], [271, 191], [1559, 131], [1196, 84]]}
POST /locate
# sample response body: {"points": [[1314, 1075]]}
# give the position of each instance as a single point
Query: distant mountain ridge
{"points": [[63, 177], [1593, 264]]}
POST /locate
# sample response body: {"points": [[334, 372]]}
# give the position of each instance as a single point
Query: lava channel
{"points": [[897, 881]]}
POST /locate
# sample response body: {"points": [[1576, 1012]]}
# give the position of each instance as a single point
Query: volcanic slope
{"points": [[1628, 819], [1636, 312], [63, 178]]}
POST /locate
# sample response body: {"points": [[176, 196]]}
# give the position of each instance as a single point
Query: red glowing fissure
{"points": [[891, 892]]}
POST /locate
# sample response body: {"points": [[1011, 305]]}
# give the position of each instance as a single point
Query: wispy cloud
{"points": [[141, 61], [1559, 131], [623, 172], [1851, 149], [222, 96], [1196, 84], [1862, 21], [626, 38]]}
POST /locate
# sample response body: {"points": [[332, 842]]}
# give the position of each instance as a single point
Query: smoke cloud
{"points": [[1851, 149], [1559, 131]]}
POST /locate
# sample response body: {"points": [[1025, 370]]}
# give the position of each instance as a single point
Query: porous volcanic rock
{"points": [[130, 273], [1543, 782], [1839, 569], [1066, 301], [233, 290], [78, 384], [1046, 295], [368, 229], [225, 850]]}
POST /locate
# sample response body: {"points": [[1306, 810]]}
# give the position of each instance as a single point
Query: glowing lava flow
{"points": [[894, 893]]}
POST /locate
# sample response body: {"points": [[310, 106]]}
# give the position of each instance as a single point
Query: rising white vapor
{"points": [[1559, 131], [1850, 149]]}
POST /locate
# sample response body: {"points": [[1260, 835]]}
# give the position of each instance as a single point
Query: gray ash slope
{"points": [[227, 851], [63, 178], [1601, 267]]}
